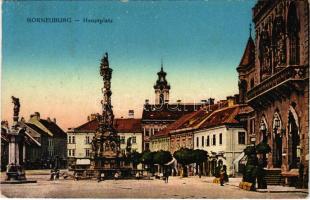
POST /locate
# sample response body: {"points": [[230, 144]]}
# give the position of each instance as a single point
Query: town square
{"points": [[158, 99]]}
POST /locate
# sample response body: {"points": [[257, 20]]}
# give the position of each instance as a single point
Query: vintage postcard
{"points": [[155, 99]]}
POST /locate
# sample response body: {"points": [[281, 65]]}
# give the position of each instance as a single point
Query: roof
{"points": [[167, 112], [122, 125], [201, 116], [175, 125], [54, 128], [28, 139], [36, 129], [248, 57], [129, 125], [190, 120], [222, 116]]}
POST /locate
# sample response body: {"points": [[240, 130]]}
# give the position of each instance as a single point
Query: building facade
{"points": [[80, 138], [224, 138], [53, 137], [276, 82]]}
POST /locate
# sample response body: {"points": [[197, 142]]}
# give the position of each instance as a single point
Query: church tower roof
{"points": [[248, 57], [161, 82]]}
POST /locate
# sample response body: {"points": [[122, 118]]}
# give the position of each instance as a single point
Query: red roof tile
{"points": [[190, 120], [167, 112], [128, 125], [223, 116]]}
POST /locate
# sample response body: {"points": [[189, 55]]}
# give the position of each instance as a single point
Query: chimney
{"points": [[231, 100], [5, 124], [92, 116], [23, 120], [49, 120], [54, 120], [131, 113], [166, 101], [211, 101], [147, 101], [35, 116], [179, 101]]}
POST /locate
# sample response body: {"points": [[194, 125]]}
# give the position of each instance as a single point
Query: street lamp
{"points": [[262, 126], [277, 122], [253, 140]]}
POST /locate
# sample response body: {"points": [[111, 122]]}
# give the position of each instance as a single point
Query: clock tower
{"points": [[161, 87]]}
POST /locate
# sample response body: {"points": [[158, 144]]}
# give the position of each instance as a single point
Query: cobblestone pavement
{"points": [[177, 187]]}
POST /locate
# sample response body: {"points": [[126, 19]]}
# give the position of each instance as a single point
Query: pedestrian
{"points": [[222, 174], [76, 177], [167, 173], [138, 175], [116, 175], [101, 177], [52, 175]]}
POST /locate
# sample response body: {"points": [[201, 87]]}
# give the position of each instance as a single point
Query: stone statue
{"points": [[16, 108]]}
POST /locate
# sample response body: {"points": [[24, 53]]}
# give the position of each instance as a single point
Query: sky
{"points": [[53, 68]]}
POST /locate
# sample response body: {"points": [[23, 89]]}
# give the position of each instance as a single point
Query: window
{"points": [[197, 141], [241, 137], [73, 152], [69, 139], [87, 152], [208, 140], [221, 140], [202, 141], [73, 139], [69, 152], [147, 146], [134, 141], [87, 141], [214, 140], [147, 132], [51, 152], [122, 139], [252, 83], [252, 125], [50, 142]]}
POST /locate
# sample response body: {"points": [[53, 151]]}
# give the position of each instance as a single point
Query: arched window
{"points": [[279, 41], [293, 29], [265, 54]]}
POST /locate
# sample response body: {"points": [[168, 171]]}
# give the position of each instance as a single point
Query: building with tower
{"points": [[161, 87], [159, 115], [274, 81]]}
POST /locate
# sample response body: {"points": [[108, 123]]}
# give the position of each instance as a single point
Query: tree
{"points": [[250, 171], [162, 157], [199, 157], [135, 158], [147, 158], [184, 156]]}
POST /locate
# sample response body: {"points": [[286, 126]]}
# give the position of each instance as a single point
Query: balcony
{"points": [[279, 85]]}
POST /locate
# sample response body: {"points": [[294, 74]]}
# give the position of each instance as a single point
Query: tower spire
{"points": [[250, 29], [162, 65]]}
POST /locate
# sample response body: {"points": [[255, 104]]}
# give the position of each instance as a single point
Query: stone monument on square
{"points": [[106, 143]]}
